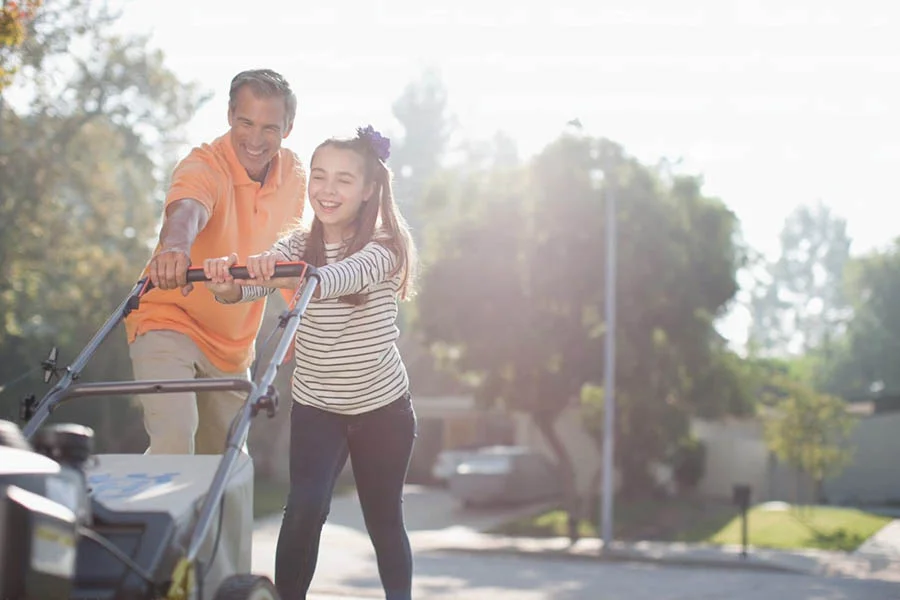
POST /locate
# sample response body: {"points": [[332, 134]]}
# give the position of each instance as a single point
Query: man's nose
{"points": [[256, 136]]}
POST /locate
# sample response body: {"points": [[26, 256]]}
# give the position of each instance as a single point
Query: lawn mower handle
{"points": [[69, 375], [282, 269]]}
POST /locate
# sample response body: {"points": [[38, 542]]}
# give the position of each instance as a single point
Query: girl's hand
{"points": [[261, 269], [221, 283]]}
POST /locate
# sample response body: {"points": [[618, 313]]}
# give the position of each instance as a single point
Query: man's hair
{"points": [[265, 83]]}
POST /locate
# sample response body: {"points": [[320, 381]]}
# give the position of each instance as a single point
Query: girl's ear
{"points": [[370, 191]]}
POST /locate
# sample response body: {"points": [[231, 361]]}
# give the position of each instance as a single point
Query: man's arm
{"points": [[185, 218]]}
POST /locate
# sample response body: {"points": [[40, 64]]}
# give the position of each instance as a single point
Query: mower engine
{"points": [[43, 503]]}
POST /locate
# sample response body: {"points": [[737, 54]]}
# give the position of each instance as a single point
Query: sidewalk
{"points": [[436, 525], [871, 564]]}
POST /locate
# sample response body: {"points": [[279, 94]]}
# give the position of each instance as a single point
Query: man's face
{"points": [[257, 127]]}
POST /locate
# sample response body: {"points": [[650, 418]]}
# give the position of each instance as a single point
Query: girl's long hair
{"points": [[379, 220]]}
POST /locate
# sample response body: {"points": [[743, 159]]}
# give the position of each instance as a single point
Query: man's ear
{"points": [[288, 131]]}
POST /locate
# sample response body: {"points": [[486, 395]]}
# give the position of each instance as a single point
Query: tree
{"points": [[514, 296], [810, 431], [80, 174], [865, 359], [800, 305], [14, 18], [422, 112], [677, 264]]}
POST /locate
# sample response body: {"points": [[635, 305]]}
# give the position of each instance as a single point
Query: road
{"points": [[347, 570]]}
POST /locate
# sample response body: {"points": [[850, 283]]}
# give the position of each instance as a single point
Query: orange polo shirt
{"points": [[245, 217]]}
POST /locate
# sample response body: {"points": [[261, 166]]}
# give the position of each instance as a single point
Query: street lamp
{"points": [[609, 375]]}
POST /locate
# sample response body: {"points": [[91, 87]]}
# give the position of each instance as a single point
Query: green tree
{"points": [[14, 19], [677, 264], [800, 304], [80, 175], [865, 359], [809, 431], [427, 126], [513, 294]]}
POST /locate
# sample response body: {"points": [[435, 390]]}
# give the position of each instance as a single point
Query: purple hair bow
{"points": [[379, 144]]}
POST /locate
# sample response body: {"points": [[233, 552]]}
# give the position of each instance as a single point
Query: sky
{"points": [[775, 103]]}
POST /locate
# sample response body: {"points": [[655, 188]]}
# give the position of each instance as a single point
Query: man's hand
{"points": [[168, 270], [184, 219]]}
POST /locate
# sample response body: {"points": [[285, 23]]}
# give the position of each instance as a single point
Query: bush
{"points": [[688, 462]]}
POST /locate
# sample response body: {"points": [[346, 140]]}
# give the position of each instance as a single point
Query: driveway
{"points": [[429, 509]]}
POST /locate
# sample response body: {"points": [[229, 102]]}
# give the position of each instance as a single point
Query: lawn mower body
{"points": [[78, 525]]}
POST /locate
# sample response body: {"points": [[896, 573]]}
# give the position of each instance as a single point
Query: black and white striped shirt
{"points": [[346, 356]]}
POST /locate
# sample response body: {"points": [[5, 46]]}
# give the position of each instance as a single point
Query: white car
{"points": [[447, 461]]}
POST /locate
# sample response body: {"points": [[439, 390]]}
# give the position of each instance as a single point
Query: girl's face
{"points": [[337, 190]]}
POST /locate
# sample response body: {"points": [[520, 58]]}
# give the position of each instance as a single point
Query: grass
{"points": [[269, 496], [827, 528], [640, 520], [822, 527]]}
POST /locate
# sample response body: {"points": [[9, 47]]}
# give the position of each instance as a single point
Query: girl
{"points": [[350, 387]]}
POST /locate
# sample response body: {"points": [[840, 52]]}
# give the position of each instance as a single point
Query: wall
{"points": [[736, 454]]}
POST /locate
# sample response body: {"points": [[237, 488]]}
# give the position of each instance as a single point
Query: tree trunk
{"points": [[545, 424], [591, 504]]}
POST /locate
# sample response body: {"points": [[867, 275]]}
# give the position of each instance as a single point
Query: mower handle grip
{"points": [[282, 269]]}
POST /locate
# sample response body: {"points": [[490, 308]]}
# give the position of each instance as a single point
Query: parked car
{"points": [[504, 475], [447, 461]]}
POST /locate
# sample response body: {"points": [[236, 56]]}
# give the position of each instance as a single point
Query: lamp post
{"points": [[609, 375], [609, 370]]}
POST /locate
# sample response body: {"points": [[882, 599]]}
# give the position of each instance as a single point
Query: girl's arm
{"points": [[371, 265]]}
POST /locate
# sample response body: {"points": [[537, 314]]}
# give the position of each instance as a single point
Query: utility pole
{"points": [[609, 376]]}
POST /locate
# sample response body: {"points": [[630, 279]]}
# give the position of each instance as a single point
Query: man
{"points": [[237, 193]]}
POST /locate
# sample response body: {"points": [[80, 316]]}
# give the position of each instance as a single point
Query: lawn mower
{"points": [[85, 526]]}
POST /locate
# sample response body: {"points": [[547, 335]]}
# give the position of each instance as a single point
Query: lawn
{"points": [[824, 527], [828, 528], [641, 520]]}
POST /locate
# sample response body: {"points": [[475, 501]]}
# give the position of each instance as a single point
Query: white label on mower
{"points": [[53, 551]]}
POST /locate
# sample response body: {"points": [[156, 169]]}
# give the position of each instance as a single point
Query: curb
{"points": [[620, 556]]}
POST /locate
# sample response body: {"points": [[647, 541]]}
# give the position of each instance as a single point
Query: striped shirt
{"points": [[346, 356]]}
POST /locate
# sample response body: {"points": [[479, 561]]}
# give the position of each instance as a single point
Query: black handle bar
{"points": [[284, 269]]}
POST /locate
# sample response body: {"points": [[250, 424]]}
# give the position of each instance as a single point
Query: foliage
{"points": [[422, 110], [14, 19], [514, 293], [688, 462], [799, 303], [864, 363], [80, 175], [809, 431]]}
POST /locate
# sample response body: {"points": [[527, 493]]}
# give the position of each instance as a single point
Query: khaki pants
{"points": [[184, 422]]}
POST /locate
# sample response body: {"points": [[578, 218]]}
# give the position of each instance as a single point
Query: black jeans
{"points": [[379, 444]]}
